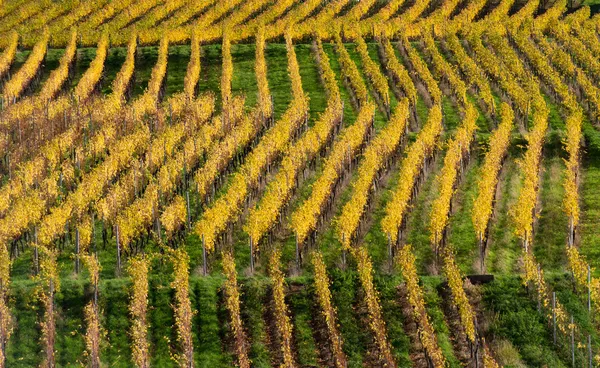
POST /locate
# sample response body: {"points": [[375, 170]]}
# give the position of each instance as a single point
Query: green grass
{"points": [[254, 292], [179, 57], [23, 348], [209, 328], [300, 300], [503, 249], [344, 288], [461, 231], [515, 318], [244, 78], [590, 201], [433, 301], [392, 314]]}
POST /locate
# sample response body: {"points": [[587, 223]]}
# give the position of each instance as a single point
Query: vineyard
{"points": [[299, 183]]}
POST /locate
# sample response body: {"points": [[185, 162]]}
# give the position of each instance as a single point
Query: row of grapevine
{"points": [[382, 16], [148, 102], [376, 158], [437, 18], [458, 152], [91, 312], [308, 146], [498, 14], [36, 24], [525, 13], [224, 210], [551, 15], [182, 306], [59, 75], [400, 22], [427, 335], [115, 24], [123, 80], [396, 70], [283, 322], [373, 72], [472, 72], [227, 71], [89, 80], [459, 297], [411, 170], [19, 82], [154, 17], [492, 65], [205, 23], [138, 269], [24, 13], [6, 321], [220, 156], [464, 18], [134, 219], [174, 216], [371, 299], [444, 71], [49, 284], [578, 17], [422, 71], [328, 311], [192, 74], [488, 177], [306, 218], [8, 54], [189, 13], [351, 73], [232, 295], [294, 16], [320, 23], [160, 150], [253, 25], [58, 27], [571, 73], [357, 11], [260, 68]]}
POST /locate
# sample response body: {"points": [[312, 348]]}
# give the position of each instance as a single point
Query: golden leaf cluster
{"points": [[305, 218], [427, 334], [411, 167]]}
